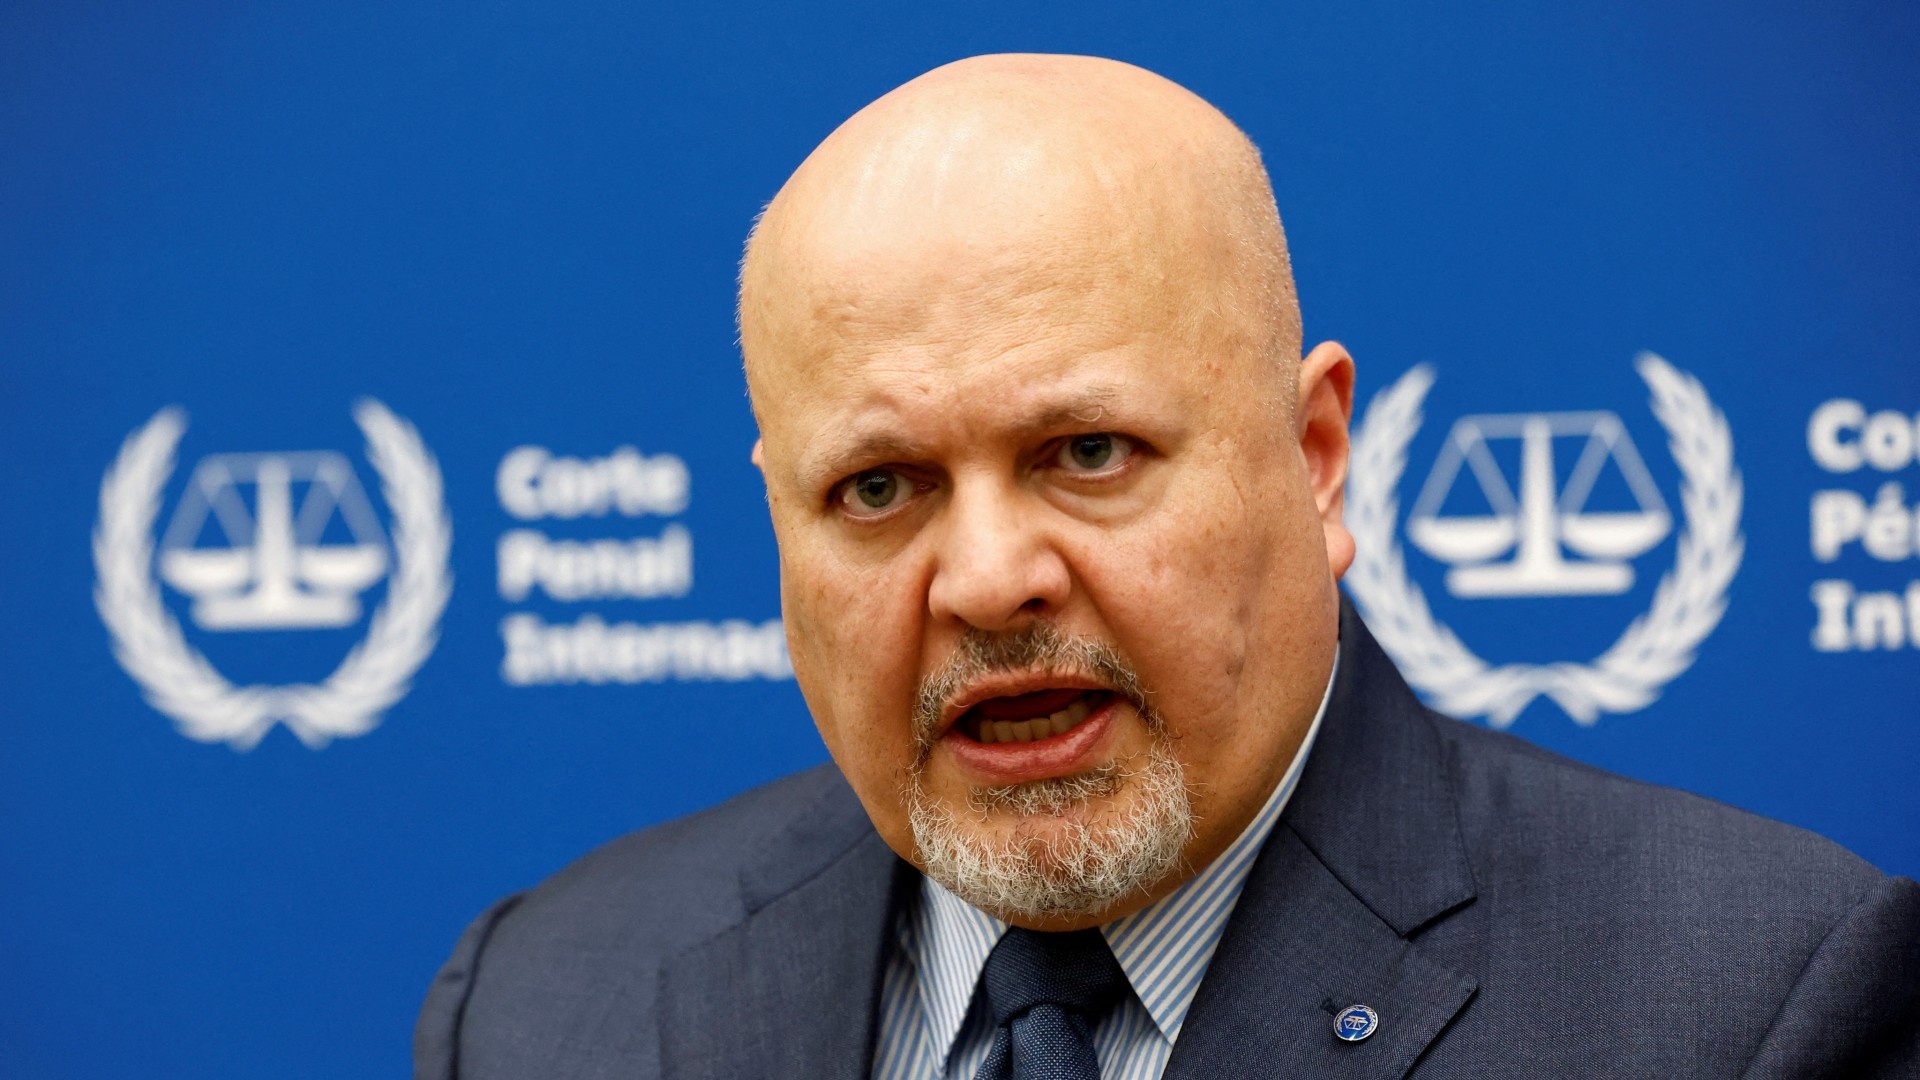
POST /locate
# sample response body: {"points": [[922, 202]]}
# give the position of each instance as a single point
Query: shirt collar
{"points": [[1163, 948]]}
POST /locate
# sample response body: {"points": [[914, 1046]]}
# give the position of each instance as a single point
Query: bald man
{"points": [[1119, 786]]}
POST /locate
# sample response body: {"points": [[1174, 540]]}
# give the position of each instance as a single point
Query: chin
{"points": [[1065, 848]]}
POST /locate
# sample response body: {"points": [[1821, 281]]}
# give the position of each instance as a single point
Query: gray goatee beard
{"points": [[1081, 860]]}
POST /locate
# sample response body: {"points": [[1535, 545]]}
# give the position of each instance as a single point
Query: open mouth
{"points": [[1031, 717]]}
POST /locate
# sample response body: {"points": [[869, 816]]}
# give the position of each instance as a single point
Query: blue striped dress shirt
{"points": [[930, 1027]]}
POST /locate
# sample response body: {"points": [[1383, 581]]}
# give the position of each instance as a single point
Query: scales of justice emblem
{"points": [[1556, 543], [1538, 524], [274, 571], [299, 554]]}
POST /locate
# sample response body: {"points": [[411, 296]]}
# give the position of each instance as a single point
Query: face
{"points": [[1057, 565]]}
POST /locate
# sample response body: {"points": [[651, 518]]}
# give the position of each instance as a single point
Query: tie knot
{"points": [[1075, 971]]}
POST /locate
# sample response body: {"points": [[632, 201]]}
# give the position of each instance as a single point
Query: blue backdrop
{"points": [[278, 724]]}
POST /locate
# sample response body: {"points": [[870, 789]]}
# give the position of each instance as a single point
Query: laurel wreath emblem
{"points": [[180, 682], [1655, 648]]}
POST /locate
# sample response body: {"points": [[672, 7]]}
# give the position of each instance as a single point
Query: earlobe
{"points": [[1340, 548], [1323, 412]]}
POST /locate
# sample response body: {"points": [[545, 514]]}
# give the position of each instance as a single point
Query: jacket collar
{"points": [[1376, 805], [1369, 854]]}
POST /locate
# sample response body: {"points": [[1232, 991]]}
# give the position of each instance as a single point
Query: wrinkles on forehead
{"points": [[1004, 191], [870, 435]]}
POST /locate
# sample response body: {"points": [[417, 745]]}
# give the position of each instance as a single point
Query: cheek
{"points": [[854, 639], [1180, 582], [1205, 599]]}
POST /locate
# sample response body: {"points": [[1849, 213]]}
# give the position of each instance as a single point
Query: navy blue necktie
{"points": [[1046, 991]]}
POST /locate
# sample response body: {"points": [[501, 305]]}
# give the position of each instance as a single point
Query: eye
{"points": [[1098, 452], [874, 492]]}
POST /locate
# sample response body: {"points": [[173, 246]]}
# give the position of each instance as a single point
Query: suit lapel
{"points": [[1367, 856], [793, 989], [1281, 974]]}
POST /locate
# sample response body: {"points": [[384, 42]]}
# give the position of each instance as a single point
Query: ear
{"points": [[758, 457], [1322, 412]]}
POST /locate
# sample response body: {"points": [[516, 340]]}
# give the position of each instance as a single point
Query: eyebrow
{"points": [[841, 460], [1086, 405]]}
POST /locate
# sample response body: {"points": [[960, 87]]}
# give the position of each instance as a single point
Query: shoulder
{"points": [[1645, 904], [658, 888], [685, 869], [1527, 813], [582, 950]]}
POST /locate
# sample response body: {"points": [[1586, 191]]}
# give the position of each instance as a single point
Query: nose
{"points": [[997, 566]]}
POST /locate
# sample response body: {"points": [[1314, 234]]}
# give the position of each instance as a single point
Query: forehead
{"points": [[943, 306], [917, 384], [964, 325]]}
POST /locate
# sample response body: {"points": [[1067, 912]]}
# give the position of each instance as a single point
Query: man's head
{"points": [[1057, 500]]}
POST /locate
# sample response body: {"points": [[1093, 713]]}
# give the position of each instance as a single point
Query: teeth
{"points": [[1040, 727]]}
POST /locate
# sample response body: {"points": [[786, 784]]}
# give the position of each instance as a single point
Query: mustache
{"points": [[1036, 647]]}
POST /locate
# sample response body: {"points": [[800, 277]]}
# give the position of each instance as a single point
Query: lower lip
{"points": [[1000, 764]]}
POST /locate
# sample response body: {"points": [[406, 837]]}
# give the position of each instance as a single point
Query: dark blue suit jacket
{"points": [[1507, 913]]}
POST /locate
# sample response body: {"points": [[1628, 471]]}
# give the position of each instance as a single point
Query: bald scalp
{"points": [[1014, 180]]}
